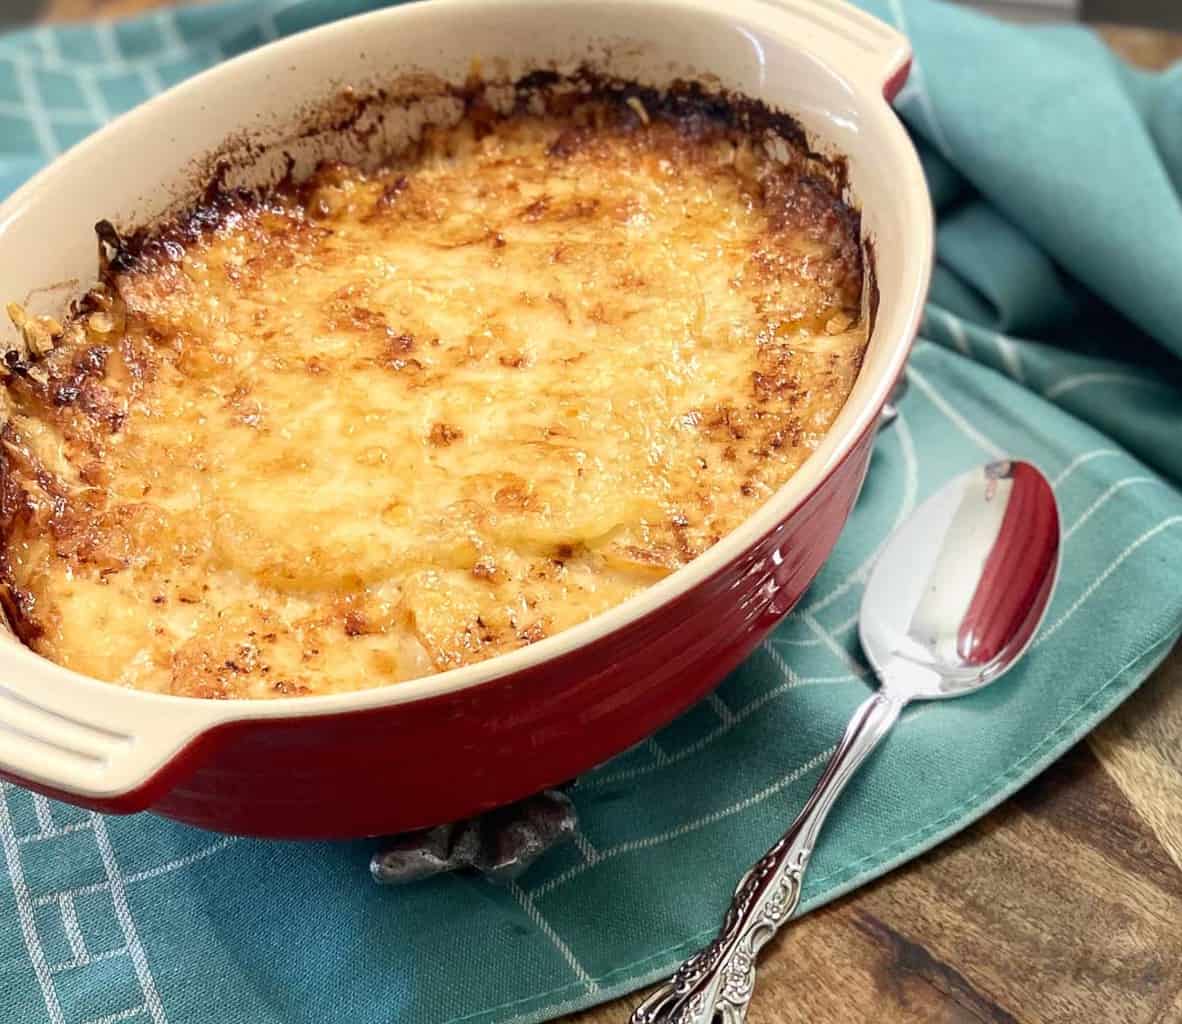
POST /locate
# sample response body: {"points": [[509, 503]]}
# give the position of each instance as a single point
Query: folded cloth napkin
{"points": [[1053, 334]]}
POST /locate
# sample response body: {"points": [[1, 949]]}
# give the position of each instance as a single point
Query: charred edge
{"points": [[165, 243], [16, 364], [113, 254], [870, 278], [16, 605], [811, 201], [688, 106]]}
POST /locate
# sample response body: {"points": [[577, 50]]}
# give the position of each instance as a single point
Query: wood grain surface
{"points": [[1063, 905]]}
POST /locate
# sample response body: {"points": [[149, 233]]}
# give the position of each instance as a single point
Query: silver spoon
{"points": [[952, 603]]}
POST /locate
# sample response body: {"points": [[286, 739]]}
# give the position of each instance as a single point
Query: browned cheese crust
{"points": [[380, 424]]}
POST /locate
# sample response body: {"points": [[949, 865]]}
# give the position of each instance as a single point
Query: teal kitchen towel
{"points": [[1054, 334]]}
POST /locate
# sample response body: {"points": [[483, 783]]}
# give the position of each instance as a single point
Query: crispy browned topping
{"points": [[384, 423]]}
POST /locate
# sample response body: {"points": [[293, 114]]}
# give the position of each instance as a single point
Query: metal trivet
{"points": [[499, 845]]}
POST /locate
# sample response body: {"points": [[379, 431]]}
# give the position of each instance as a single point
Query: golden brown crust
{"points": [[377, 424]]}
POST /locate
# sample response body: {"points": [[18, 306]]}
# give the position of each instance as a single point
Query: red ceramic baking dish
{"points": [[436, 749]]}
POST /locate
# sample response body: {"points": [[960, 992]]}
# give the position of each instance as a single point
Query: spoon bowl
{"points": [[960, 589], [954, 600]]}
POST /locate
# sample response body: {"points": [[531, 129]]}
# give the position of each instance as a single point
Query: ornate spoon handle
{"points": [[717, 982]]}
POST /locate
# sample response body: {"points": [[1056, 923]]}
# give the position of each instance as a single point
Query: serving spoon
{"points": [[952, 603]]}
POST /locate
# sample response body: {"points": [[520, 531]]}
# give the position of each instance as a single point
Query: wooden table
{"points": [[1065, 904]]}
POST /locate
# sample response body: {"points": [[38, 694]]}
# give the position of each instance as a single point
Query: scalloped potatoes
{"points": [[384, 423]]}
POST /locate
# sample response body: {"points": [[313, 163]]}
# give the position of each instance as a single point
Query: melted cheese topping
{"points": [[389, 423]]}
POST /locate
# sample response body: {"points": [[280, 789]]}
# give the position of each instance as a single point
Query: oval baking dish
{"points": [[449, 745]]}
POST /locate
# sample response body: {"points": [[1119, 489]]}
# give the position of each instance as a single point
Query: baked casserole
{"points": [[386, 421]]}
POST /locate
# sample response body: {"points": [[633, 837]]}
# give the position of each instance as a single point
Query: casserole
{"points": [[453, 744], [379, 422]]}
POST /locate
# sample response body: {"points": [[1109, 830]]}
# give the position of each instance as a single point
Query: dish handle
{"points": [[90, 743], [858, 44]]}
